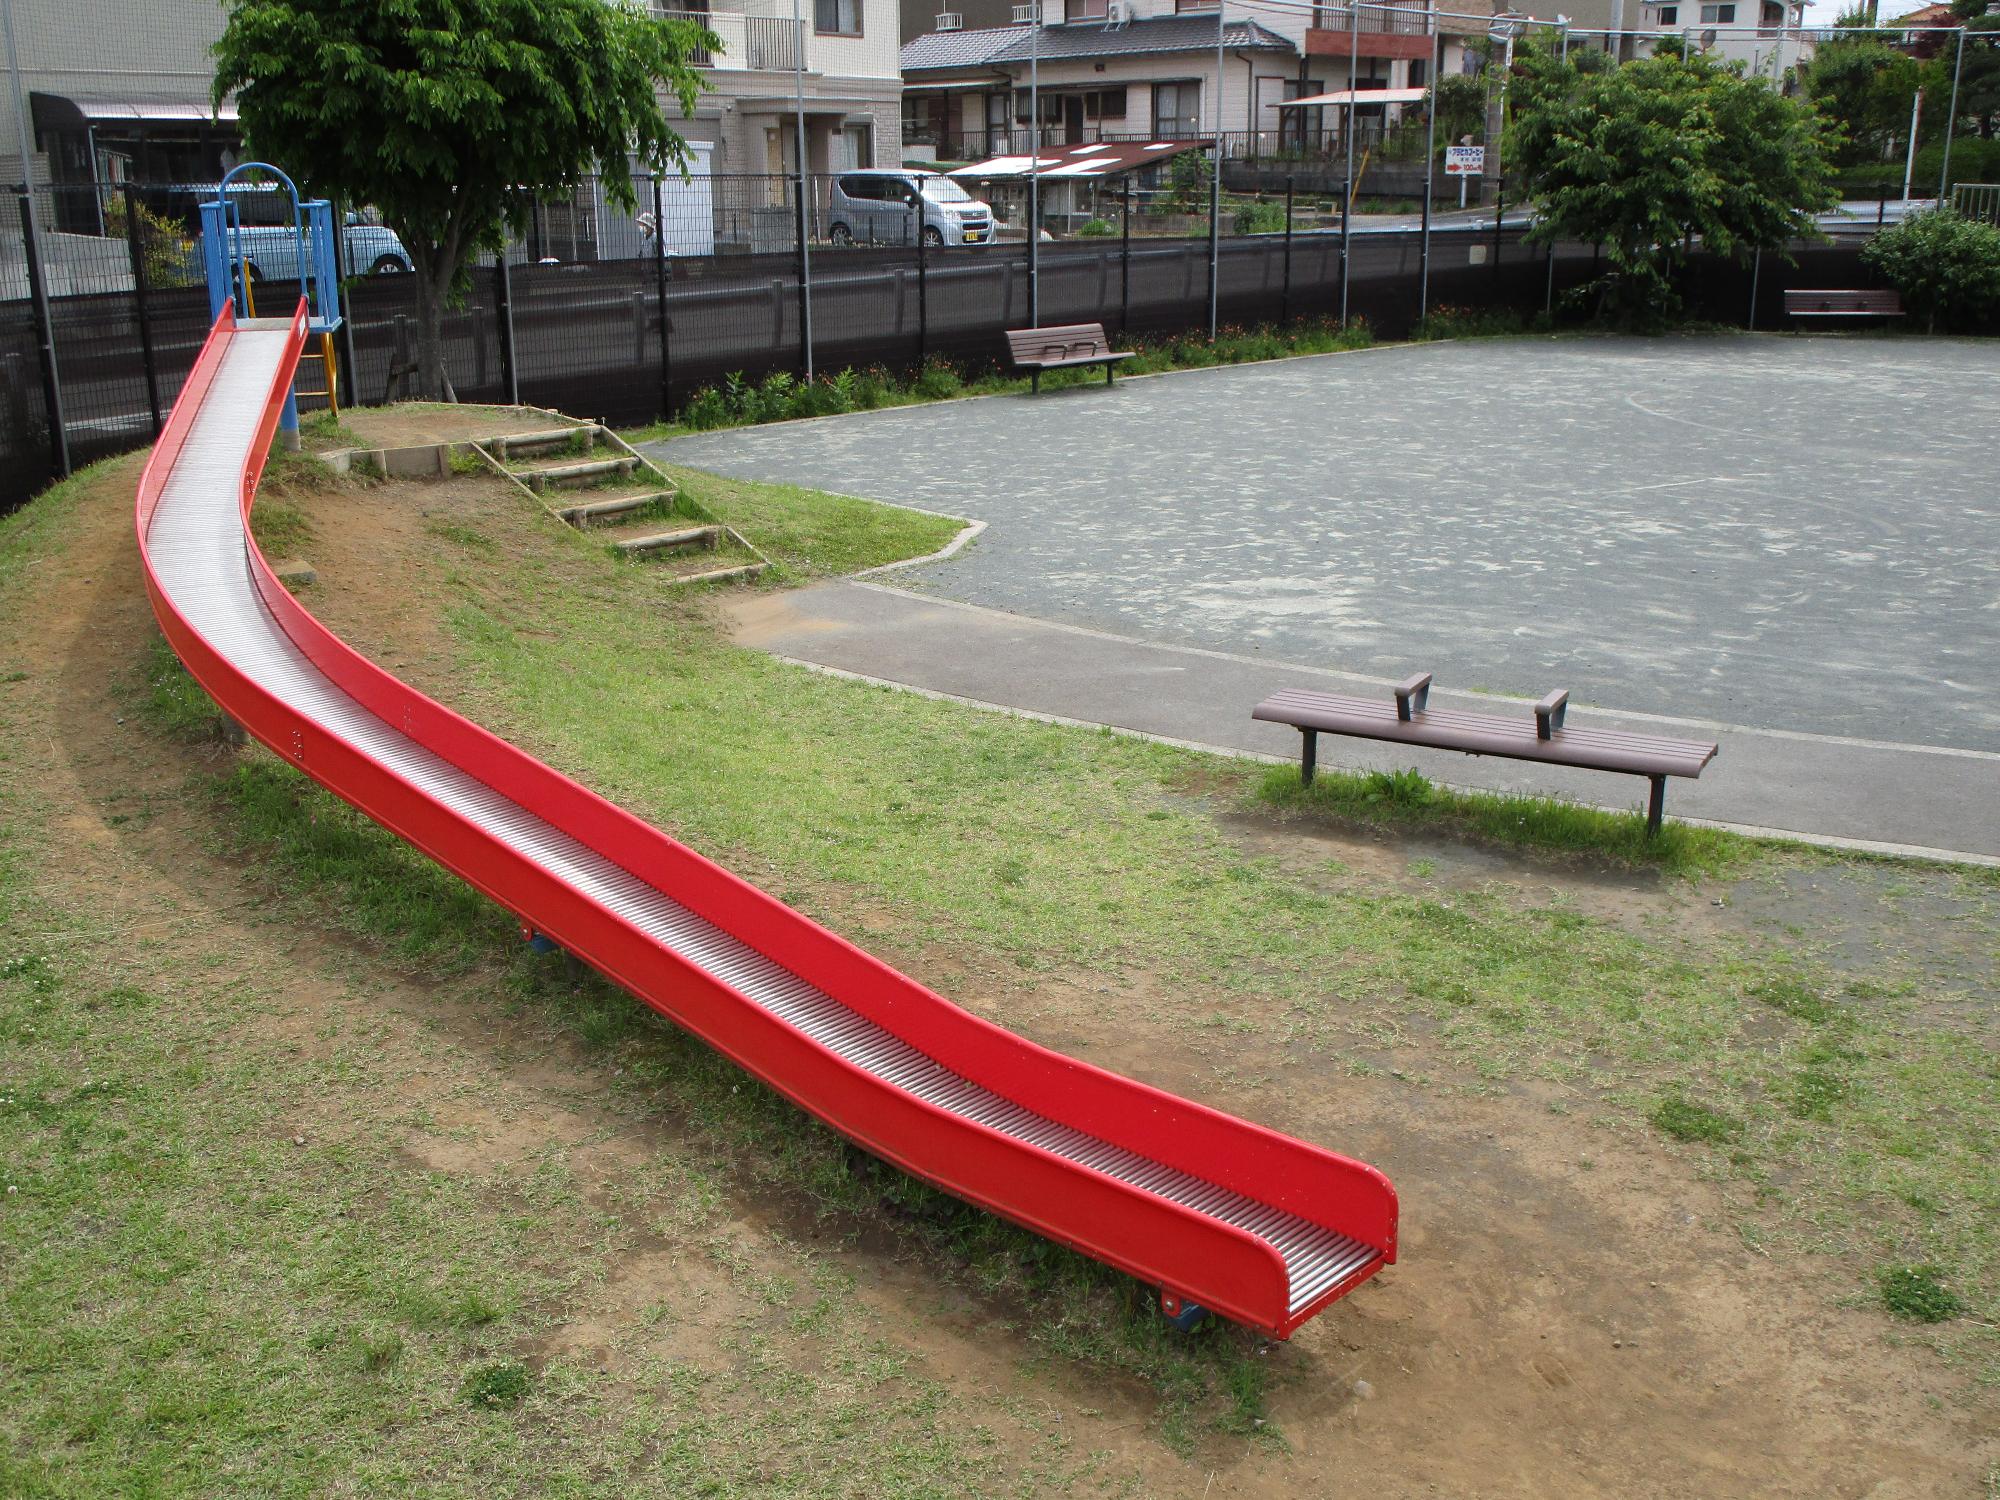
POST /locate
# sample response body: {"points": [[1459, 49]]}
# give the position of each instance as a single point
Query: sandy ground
{"points": [[1574, 1315]]}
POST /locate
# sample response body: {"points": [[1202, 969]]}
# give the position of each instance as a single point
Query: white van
{"points": [[881, 208]]}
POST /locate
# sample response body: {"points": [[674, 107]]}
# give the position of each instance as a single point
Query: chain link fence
{"points": [[624, 312]]}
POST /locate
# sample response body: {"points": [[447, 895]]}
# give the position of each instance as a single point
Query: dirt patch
{"points": [[1575, 1313], [410, 423]]}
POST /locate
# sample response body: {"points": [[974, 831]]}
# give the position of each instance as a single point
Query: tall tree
{"points": [[1647, 158], [1863, 86], [451, 117]]}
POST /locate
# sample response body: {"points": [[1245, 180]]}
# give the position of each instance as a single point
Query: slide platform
{"points": [[1214, 1211]]}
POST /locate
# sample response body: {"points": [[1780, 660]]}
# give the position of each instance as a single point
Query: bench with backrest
{"points": [[1064, 348], [1548, 736], [1816, 303]]}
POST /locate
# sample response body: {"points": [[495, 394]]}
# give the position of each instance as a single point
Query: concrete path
{"points": [[1873, 794], [1746, 534]]}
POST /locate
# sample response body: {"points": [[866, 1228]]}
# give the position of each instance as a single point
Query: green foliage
{"points": [[166, 254], [1187, 183], [495, 1386], [1476, 323], [1643, 158], [782, 396], [1260, 218], [1946, 267], [1919, 1294], [1862, 86], [452, 116], [1097, 229], [1685, 1120], [1972, 160], [1460, 100]]}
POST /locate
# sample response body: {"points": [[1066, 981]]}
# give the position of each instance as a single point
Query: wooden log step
{"points": [[551, 437], [605, 510], [689, 536], [577, 473]]}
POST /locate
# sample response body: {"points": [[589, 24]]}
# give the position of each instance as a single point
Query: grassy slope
{"points": [[131, 1113], [1063, 850]]}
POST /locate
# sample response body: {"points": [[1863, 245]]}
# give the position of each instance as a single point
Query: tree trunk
{"points": [[431, 290]]}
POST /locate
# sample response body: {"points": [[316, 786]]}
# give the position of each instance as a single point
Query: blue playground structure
{"points": [[301, 251]]}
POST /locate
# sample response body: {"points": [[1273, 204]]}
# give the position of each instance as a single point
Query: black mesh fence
{"points": [[102, 322]]}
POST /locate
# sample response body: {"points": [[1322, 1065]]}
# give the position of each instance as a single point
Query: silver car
{"points": [[883, 208]]}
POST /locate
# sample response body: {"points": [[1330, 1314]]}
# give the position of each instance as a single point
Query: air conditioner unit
{"points": [[950, 20], [1114, 13]]}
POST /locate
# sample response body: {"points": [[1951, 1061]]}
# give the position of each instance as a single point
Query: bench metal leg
{"points": [[1035, 381], [1656, 806], [1107, 373], [1309, 760]]}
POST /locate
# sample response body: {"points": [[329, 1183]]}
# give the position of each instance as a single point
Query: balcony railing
{"points": [[1392, 22], [1299, 141], [763, 43]]}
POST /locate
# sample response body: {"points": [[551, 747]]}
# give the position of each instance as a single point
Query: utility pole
{"points": [[805, 205]]}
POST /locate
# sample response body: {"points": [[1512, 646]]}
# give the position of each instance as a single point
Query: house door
{"points": [[1073, 119]]}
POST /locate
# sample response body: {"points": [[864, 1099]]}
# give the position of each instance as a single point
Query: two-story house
{"points": [[1148, 70]]}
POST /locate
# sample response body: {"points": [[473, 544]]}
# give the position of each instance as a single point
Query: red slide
{"points": [[1214, 1211]]}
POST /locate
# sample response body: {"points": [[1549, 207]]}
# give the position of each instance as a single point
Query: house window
{"points": [[1176, 110], [1184, 6], [1670, 15], [1086, 10], [1718, 15], [1104, 104], [1420, 71], [837, 17]]}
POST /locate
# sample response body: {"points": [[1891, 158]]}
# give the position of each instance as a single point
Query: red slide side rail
{"points": [[1194, 1256]]}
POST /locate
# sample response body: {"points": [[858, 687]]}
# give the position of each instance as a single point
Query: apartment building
{"points": [[119, 89]]}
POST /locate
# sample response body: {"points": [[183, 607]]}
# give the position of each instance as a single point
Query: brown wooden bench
{"points": [[1815, 303], [1064, 348], [1410, 720]]}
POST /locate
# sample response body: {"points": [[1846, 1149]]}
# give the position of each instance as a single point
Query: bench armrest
{"points": [[1549, 713], [1412, 695]]}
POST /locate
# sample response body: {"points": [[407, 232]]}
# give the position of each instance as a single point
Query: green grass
{"points": [[1686, 1120], [1410, 802], [1066, 852], [810, 534], [149, 1105], [1919, 1294]]}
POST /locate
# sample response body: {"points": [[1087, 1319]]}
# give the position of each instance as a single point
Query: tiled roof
{"points": [[956, 49], [1155, 34]]}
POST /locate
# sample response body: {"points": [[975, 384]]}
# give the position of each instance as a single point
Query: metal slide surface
{"points": [[1213, 1210]]}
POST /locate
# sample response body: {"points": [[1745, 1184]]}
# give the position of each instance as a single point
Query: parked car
{"points": [[883, 208], [270, 242]]}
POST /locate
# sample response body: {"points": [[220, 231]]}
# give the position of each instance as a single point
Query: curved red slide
{"points": [[1212, 1210]]}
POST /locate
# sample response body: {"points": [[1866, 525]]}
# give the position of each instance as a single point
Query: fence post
{"points": [[503, 297], [1499, 214], [344, 304], [660, 278], [805, 286], [923, 289], [1346, 207], [1125, 257], [1285, 300], [45, 340], [142, 303]]}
